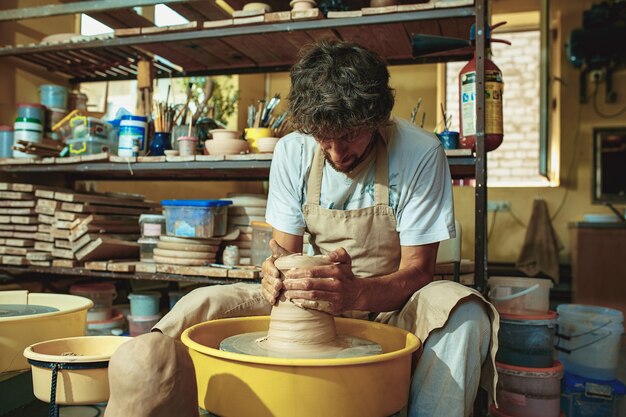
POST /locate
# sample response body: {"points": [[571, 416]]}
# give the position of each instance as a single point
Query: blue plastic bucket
{"points": [[53, 96], [526, 340], [144, 303], [6, 141], [589, 340]]}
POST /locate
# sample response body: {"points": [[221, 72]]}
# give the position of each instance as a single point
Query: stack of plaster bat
{"points": [[89, 227], [246, 209], [18, 224]]}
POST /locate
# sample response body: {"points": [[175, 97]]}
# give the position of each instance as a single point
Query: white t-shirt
{"points": [[420, 187]]}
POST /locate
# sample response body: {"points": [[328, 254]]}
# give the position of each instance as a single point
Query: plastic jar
{"points": [[107, 327], [526, 340], [589, 340], [141, 325], [144, 303], [187, 145], [261, 236], [102, 294], [6, 141], [513, 295], [132, 136], [529, 392], [146, 248], [152, 225], [83, 127], [27, 129], [230, 256], [31, 111], [53, 96]]}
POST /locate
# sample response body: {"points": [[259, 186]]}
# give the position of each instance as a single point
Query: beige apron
{"points": [[369, 236]]}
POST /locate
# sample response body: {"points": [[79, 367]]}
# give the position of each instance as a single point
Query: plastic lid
{"points": [[137, 118], [146, 294], [27, 120], [197, 203], [262, 225], [557, 367], [148, 240], [91, 288], [550, 315], [30, 105], [6, 128], [151, 217]]}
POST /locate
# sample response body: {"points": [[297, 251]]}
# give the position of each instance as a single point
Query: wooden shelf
{"points": [[460, 167], [265, 47], [83, 272]]}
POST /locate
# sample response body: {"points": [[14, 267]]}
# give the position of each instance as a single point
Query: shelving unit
{"points": [[264, 47]]}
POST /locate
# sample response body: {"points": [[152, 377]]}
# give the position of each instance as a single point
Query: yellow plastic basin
{"points": [[74, 386], [16, 333], [233, 384]]}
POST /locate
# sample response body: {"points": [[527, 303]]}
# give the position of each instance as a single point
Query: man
{"points": [[374, 194]]}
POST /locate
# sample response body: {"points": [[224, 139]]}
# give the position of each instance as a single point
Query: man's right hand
{"points": [[272, 284]]}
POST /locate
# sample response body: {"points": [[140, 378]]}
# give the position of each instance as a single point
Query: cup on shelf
{"points": [[449, 139], [187, 145]]}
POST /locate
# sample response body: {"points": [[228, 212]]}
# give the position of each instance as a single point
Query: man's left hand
{"points": [[332, 289]]}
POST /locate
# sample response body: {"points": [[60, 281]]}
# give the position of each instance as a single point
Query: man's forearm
{"points": [[390, 292]]}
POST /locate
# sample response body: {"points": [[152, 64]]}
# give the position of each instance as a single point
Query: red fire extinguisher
{"points": [[494, 87]]}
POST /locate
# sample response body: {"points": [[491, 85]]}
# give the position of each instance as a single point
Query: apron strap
{"points": [[381, 180], [314, 186]]}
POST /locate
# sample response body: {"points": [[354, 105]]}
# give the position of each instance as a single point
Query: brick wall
{"points": [[516, 161]]}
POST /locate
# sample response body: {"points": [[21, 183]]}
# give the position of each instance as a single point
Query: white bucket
{"points": [[588, 340], [525, 296]]}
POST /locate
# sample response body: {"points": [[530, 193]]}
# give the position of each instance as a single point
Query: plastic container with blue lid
{"points": [[196, 218]]}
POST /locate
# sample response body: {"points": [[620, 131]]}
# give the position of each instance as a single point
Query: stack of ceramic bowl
{"points": [[225, 142], [144, 312], [529, 379], [172, 250], [302, 4], [246, 208], [102, 318]]}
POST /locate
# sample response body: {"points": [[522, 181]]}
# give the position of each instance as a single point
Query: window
{"points": [[516, 161]]}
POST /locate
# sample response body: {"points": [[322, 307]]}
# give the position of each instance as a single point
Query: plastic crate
{"points": [[196, 218], [583, 397]]}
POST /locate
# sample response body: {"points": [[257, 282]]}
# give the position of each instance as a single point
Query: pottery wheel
{"points": [[15, 310]]}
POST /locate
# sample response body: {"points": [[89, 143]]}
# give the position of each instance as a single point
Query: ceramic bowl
{"points": [[267, 145], [170, 152], [302, 4], [221, 134], [257, 6], [226, 146]]}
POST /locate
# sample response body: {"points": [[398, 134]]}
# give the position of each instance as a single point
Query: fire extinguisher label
{"points": [[493, 103]]}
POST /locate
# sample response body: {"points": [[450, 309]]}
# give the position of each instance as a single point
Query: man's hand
{"points": [[333, 289], [271, 284]]}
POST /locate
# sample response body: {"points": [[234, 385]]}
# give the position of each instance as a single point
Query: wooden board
{"points": [[101, 249], [14, 260], [146, 267], [17, 203], [59, 233], [48, 211], [242, 244], [101, 209], [44, 246], [186, 247], [102, 200], [23, 220], [68, 216], [21, 243], [96, 265], [121, 266], [14, 195], [18, 211], [240, 273], [65, 263], [43, 228], [43, 237], [39, 256], [45, 219], [167, 253], [9, 250], [39, 263], [62, 253], [180, 261], [200, 271], [62, 244]]}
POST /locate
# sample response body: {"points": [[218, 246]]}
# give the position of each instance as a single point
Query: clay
{"points": [[295, 329]]}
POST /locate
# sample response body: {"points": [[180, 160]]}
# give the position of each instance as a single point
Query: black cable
{"points": [[597, 109], [521, 223]]}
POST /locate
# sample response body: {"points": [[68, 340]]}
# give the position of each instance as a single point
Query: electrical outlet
{"points": [[498, 205], [596, 76]]}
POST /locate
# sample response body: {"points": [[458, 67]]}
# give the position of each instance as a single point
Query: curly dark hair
{"points": [[338, 87]]}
